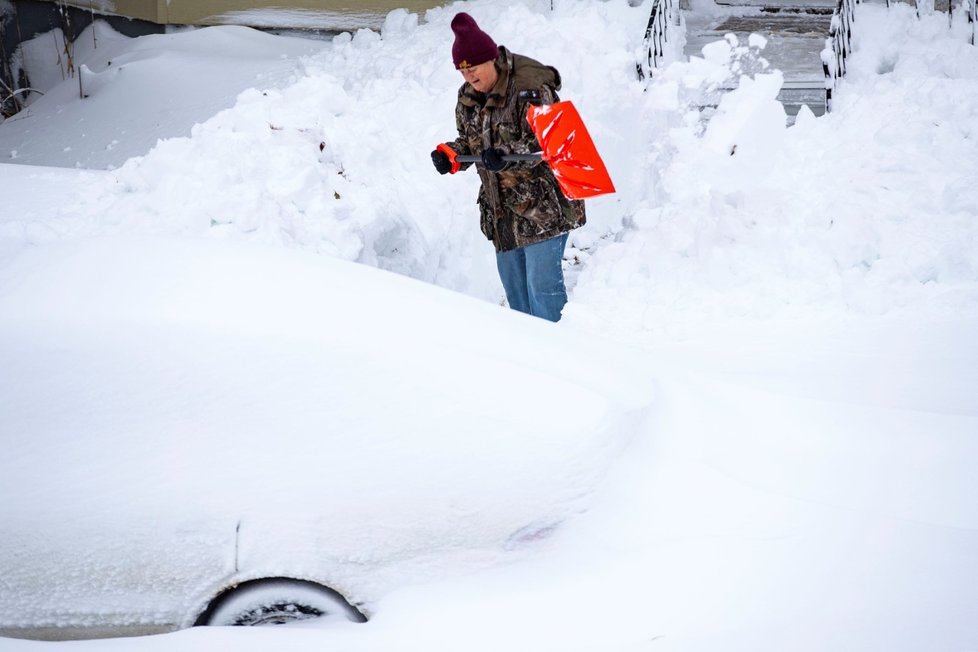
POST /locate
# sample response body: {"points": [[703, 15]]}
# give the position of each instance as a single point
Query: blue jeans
{"points": [[533, 278]]}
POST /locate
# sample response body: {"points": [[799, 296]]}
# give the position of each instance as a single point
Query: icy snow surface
{"points": [[807, 297]]}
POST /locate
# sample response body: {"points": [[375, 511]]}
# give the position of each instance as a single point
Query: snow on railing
{"points": [[838, 46], [973, 18], [657, 34]]}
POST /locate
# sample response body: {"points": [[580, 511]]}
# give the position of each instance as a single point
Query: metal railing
{"points": [[838, 46], [657, 35]]}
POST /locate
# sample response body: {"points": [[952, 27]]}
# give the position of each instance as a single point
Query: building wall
{"points": [[32, 17], [330, 14]]}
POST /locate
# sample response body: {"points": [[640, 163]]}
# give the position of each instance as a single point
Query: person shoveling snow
{"points": [[527, 207]]}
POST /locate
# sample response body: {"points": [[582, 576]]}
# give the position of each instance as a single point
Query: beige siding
{"points": [[258, 13]]}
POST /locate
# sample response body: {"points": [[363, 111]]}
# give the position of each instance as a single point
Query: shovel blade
{"points": [[568, 148]]}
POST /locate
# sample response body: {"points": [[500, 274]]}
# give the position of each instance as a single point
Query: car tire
{"points": [[277, 602]]}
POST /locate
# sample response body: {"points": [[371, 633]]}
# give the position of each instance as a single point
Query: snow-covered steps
{"points": [[801, 6], [795, 36], [798, 93]]}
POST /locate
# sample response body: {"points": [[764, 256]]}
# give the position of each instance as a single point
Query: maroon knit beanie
{"points": [[472, 46]]}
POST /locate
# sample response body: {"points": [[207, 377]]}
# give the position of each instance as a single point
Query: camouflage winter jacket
{"points": [[523, 204]]}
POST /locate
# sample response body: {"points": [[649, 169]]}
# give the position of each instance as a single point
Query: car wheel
{"points": [[277, 602]]}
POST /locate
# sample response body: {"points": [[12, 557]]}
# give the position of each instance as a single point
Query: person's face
{"points": [[482, 77]]}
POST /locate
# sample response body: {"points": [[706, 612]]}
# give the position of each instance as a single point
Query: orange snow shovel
{"points": [[567, 148]]}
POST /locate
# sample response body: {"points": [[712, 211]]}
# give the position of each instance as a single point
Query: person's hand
{"points": [[492, 160], [441, 162]]}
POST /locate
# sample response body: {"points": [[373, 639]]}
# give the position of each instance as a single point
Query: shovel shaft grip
{"points": [[471, 158]]}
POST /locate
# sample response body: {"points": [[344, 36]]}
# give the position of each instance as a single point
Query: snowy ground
{"points": [[809, 295]]}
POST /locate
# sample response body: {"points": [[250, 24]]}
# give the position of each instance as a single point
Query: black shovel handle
{"points": [[471, 158]]}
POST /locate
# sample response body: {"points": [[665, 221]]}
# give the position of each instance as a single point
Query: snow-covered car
{"points": [[201, 432]]}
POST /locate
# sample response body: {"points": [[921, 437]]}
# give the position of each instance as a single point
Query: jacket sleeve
{"points": [[461, 144]]}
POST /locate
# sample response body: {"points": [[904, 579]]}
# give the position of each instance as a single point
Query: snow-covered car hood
{"points": [[178, 414]]}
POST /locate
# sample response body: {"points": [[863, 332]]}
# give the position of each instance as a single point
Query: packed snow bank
{"points": [[338, 161], [868, 209], [35, 204], [738, 217], [165, 82]]}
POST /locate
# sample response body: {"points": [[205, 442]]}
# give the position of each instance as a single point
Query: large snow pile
{"points": [[749, 218], [338, 161], [166, 82], [867, 209]]}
